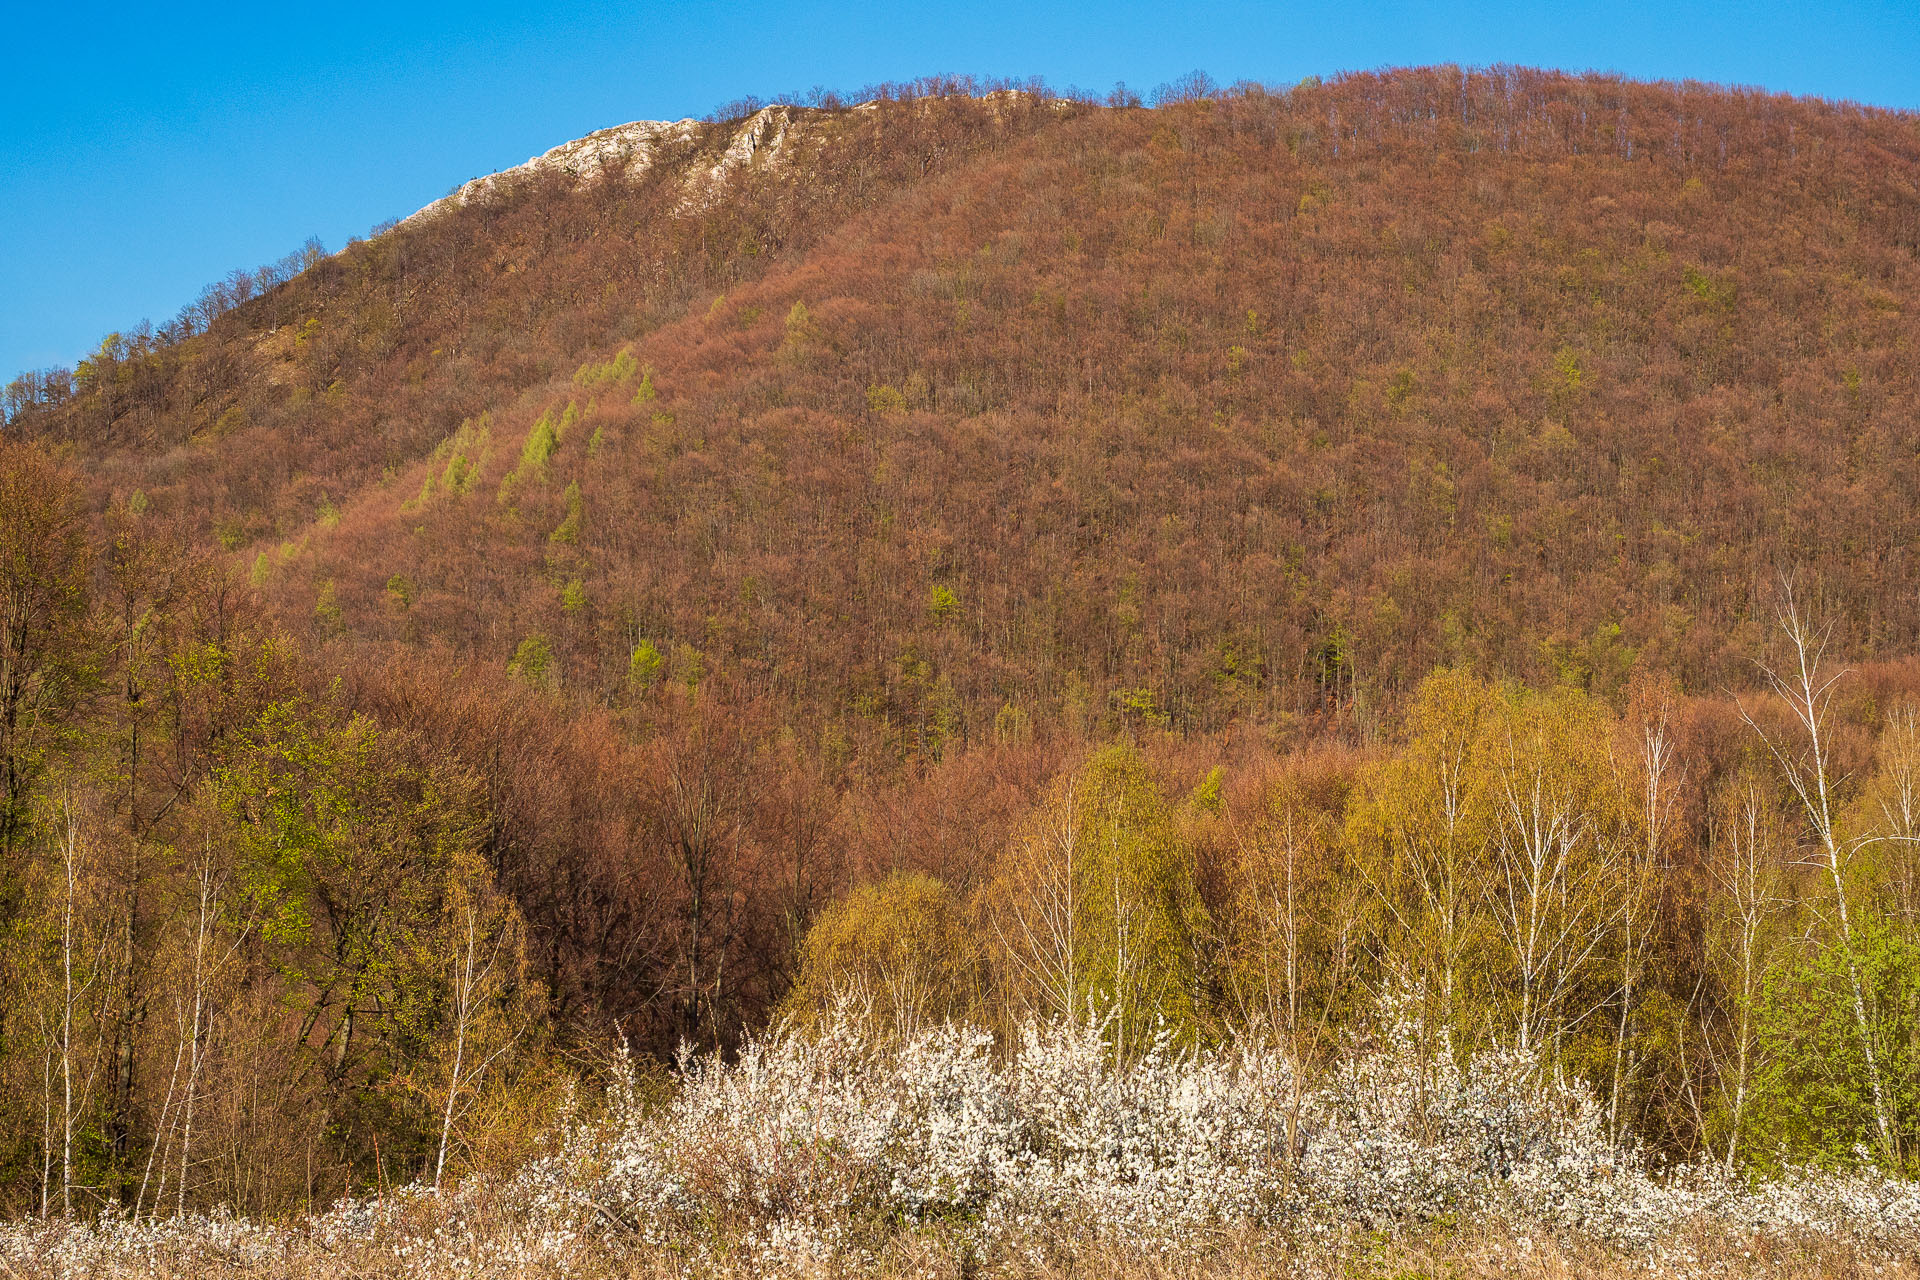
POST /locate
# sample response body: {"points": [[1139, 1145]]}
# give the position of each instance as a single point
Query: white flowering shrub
{"points": [[816, 1151]]}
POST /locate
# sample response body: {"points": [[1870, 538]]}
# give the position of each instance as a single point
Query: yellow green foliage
{"points": [[645, 665], [886, 401], [1710, 289], [1094, 903], [533, 661], [901, 950], [1288, 963], [543, 439], [689, 666], [459, 459], [1012, 724], [1492, 842], [326, 606], [568, 530], [608, 373]]}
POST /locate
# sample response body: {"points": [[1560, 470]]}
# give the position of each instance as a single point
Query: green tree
{"points": [[568, 530], [1294, 902], [543, 440], [1814, 1099], [1422, 827], [644, 665], [1560, 827], [359, 853], [900, 949], [533, 661], [1094, 904]]}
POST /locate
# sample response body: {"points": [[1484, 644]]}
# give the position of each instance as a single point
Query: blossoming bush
{"points": [[826, 1149]]}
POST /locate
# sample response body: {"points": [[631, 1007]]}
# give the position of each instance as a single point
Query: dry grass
{"points": [[930, 1255], [1481, 1253]]}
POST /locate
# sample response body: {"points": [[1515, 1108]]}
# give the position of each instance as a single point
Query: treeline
{"points": [[1708, 912], [135, 357]]}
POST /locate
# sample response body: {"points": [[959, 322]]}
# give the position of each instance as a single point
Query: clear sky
{"points": [[148, 149]]}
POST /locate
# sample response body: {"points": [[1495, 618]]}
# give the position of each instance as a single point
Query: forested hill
{"points": [[1258, 404], [651, 585]]}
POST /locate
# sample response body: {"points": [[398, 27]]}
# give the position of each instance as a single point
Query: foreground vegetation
{"points": [[933, 1154]]}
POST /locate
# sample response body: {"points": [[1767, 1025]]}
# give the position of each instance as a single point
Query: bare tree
{"points": [[474, 978], [71, 941], [1550, 892], [1896, 803], [1281, 911], [1806, 688], [700, 805], [1642, 868], [1741, 863], [1035, 916], [204, 971]]}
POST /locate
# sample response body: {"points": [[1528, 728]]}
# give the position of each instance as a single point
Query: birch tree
{"points": [[1804, 684], [486, 1017], [1421, 825], [1642, 864], [1554, 889], [1095, 903], [1744, 866]]}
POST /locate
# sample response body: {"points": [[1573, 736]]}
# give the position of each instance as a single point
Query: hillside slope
{"points": [[1252, 406]]}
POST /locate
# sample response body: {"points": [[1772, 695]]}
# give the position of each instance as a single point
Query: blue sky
{"points": [[146, 150]]}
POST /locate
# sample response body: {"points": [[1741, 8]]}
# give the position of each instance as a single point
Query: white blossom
{"points": [[810, 1152]]}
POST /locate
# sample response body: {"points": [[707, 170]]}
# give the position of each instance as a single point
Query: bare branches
{"points": [[1806, 687]]}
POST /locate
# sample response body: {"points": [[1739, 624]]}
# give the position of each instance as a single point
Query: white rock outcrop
{"points": [[629, 150]]}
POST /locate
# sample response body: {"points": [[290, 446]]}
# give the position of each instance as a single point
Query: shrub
{"points": [[533, 661], [645, 664], [899, 949], [812, 1153]]}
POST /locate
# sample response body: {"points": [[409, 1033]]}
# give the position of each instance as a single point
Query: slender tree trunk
{"points": [[1742, 1048], [193, 1037], [463, 1003], [1807, 692], [46, 1133], [66, 1031], [1836, 867], [160, 1127]]}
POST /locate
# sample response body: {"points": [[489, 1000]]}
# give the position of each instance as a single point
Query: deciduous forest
{"points": [[1412, 569]]}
